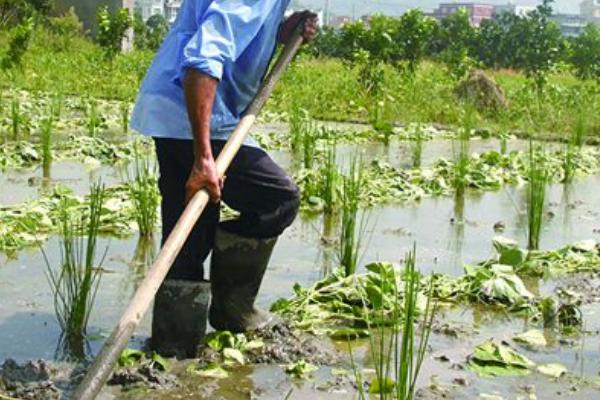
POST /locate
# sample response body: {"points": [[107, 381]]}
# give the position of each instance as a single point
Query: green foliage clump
{"points": [[65, 29], [20, 37], [149, 34], [586, 53], [112, 29]]}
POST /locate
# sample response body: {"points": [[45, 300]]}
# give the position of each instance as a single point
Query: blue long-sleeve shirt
{"points": [[230, 40]]}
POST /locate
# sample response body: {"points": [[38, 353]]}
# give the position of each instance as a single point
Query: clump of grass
{"points": [[75, 283], [296, 124], [329, 177], [417, 147], [461, 152], [352, 229], [93, 118], [399, 358], [309, 143], [143, 194], [16, 119], [536, 196], [46, 142], [383, 121], [124, 108], [56, 106], [579, 131]]}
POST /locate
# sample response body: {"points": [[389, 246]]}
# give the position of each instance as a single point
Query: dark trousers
{"points": [[255, 186]]}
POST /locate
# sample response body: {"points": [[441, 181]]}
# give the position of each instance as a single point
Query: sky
{"points": [[394, 7]]}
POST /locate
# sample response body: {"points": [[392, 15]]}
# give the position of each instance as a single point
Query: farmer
{"points": [[202, 80]]}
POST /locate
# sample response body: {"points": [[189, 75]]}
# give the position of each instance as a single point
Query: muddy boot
{"points": [[236, 272], [179, 318]]}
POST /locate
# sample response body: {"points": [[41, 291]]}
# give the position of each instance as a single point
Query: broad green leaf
{"points": [[130, 358], [213, 371], [159, 362], [300, 369]]}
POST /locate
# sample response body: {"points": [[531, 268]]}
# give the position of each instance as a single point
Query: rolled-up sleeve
{"points": [[224, 32]]}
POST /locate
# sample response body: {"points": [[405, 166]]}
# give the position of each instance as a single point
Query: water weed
{"points": [[16, 118], [352, 229], [144, 194], [75, 282], [461, 150], [417, 147], [46, 143], [538, 177]]}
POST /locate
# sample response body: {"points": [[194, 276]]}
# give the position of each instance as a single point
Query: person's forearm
{"points": [[200, 90]]}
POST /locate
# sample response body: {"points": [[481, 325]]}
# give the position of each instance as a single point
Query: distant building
{"points": [[478, 12], [570, 24], [172, 8], [590, 10], [511, 8], [148, 8]]}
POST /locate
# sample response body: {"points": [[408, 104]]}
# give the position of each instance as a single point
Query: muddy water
{"points": [[448, 234]]}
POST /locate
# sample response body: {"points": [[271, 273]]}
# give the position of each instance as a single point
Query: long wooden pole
{"points": [[100, 370]]}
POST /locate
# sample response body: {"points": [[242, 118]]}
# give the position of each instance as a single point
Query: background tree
{"points": [[413, 35], [540, 45], [455, 42], [586, 53], [112, 29]]}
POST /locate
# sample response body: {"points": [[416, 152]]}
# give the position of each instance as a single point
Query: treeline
{"points": [[532, 43]]}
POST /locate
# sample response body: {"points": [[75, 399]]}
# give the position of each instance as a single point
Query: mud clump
{"points": [[482, 91], [31, 381], [284, 345], [145, 376]]}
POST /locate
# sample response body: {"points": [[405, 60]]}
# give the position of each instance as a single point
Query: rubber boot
{"points": [[236, 272], [179, 318]]}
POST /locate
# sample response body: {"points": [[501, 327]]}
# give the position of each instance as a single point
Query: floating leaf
{"points": [[532, 338], [492, 359], [214, 371], [300, 369], [382, 387], [552, 370]]}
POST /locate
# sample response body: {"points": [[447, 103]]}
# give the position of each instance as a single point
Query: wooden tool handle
{"points": [[100, 370]]}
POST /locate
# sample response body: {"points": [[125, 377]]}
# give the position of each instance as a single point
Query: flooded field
{"points": [[449, 232]]}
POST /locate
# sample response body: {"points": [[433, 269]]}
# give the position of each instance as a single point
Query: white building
{"points": [[590, 10], [512, 8], [148, 8], [172, 8]]}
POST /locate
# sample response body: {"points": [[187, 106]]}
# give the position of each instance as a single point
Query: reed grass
{"points": [[93, 118], [124, 108], [536, 196], [461, 150], [16, 118], [75, 283], [398, 355], [417, 147], [310, 133], [329, 180], [143, 193], [46, 142], [296, 126], [352, 229]]}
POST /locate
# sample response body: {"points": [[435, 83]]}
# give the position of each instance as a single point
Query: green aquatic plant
{"points": [[296, 125], [124, 108], [352, 229], [74, 283], [538, 177], [16, 118], [579, 132], [93, 118], [398, 362], [46, 143], [329, 181], [310, 133], [143, 193], [461, 151], [417, 147]]}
